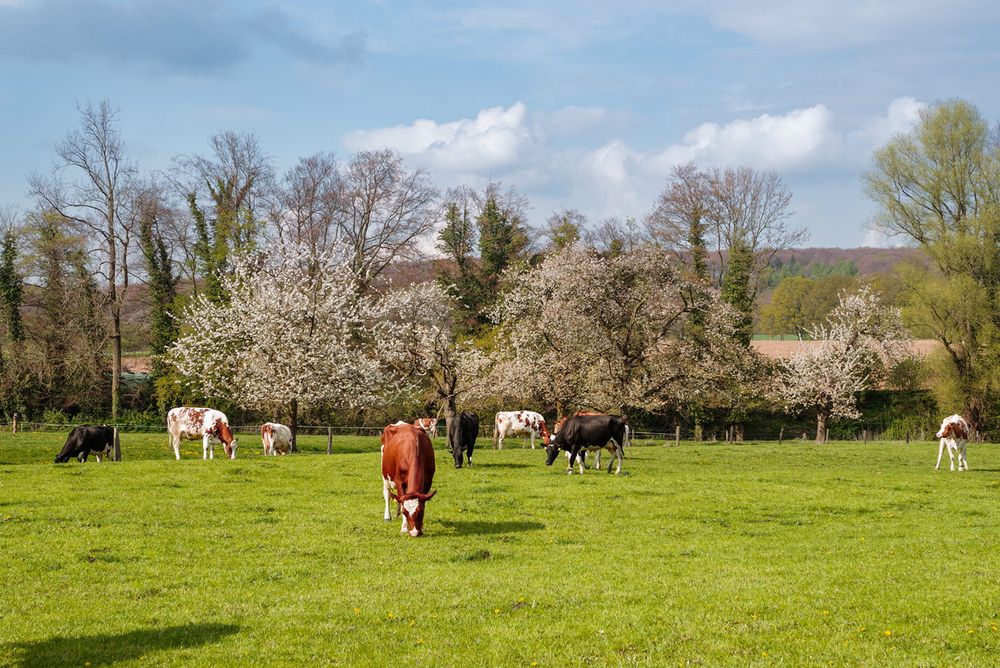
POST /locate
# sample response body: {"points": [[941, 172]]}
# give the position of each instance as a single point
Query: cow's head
{"points": [[552, 449], [230, 448], [456, 452], [412, 507]]}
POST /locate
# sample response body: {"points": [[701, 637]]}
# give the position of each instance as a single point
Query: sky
{"points": [[575, 103]]}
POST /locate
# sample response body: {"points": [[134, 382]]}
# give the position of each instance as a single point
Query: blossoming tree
{"points": [[612, 332], [291, 335], [856, 347]]}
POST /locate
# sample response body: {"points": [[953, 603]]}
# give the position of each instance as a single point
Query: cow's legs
{"points": [[500, 441], [940, 452], [385, 492], [617, 454], [97, 456], [206, 448], [597, 460], [532, 436], [175, 443], [963, 464], [951, 456]]}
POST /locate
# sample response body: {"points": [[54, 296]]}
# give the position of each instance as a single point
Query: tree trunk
{"points": [[293, 421], [450, 415], [116, 364], [821, 418]]}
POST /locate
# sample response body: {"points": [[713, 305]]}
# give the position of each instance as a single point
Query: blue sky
{"points": [[575, 103]]}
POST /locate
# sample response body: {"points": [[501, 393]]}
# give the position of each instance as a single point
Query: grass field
{"points": [[754, 554]]}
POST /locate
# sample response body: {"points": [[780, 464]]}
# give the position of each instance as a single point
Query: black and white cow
{"points": [[87, 439], [587, 432], [462, 434]]}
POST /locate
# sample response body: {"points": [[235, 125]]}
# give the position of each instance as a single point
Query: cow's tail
{"points": [[496, 434]]}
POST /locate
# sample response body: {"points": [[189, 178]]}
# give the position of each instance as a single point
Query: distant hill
{"points": [[867, 260]]}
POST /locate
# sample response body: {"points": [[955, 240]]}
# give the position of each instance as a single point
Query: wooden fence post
{"points": [[907, 437], [329, 440], [781, 435], [13, 425], [677, 435], [118, 447]]}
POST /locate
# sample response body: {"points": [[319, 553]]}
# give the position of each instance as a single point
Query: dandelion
{"points": [[887, 633], [357, 611], [534, 663], [390, 616], [496, 611], [826, 612]]}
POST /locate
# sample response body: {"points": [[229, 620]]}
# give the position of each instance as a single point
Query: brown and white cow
{"points": [[519, 423], [276, 437], [407, 474], [954, 434], [210, 425], [429, 425]]}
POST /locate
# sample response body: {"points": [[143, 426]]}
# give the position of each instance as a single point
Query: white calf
{"points": [[954, 434]]}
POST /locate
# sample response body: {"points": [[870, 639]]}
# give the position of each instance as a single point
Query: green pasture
{"points": [[746, 555]]}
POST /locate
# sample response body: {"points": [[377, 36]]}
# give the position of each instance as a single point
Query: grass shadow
{"points": [[106, 649], [486, 528]]}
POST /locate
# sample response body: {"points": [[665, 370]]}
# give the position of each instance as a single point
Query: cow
{"points": [[585, 432], [211, 426], [277, 438], [429, 425], [462, 434], [87, 439], [407, 473], [592, 449], [954, 434], [519, 423]]}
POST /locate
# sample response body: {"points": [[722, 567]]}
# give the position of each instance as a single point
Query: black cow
{"points": [[589, 432], [462, 434], [86, 439]]}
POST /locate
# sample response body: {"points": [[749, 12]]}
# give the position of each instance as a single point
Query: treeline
{"points": [[651, 317]]}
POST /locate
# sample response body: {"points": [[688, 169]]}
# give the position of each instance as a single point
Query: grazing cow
{"points": [[277, 438], [87, 439], [462, 434], [519, 423], [429, 425], [591, 449], [407, 474], [589, 431], [954, 434], [211, 426]]}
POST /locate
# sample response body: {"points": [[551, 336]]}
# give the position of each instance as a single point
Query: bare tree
{"points": [[91, 187], [303, 207], [750, 208], [725, 208], [224, 191], [383, 211]]}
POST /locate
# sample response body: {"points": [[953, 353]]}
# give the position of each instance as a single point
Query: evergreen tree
{"points": [[502, 240], [456, 241], [736, 288], [162, 286], [11, 288]]}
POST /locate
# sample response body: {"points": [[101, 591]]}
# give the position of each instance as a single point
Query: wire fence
{"points": [[679, 435]]}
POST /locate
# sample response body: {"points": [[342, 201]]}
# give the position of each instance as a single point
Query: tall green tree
{"points": [[223, 191], [457, 241], [161, 281], [736, 289], [11, 287], [939, 186]]}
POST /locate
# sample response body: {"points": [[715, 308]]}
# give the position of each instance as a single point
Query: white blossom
{"points": [[291, 331]]}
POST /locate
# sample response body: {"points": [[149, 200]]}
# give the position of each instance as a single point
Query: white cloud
{"points": [[615, 178], [901, 115], [765, 141], [493, 139]]}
